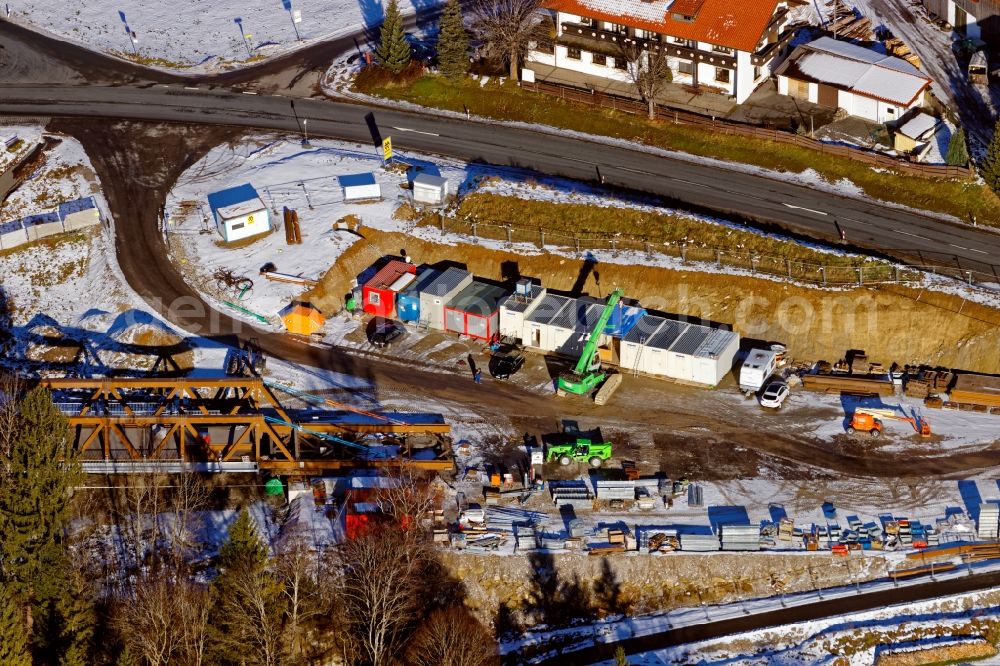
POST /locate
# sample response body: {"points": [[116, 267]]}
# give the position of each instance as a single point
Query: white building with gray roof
{"points": [[678, 350]]}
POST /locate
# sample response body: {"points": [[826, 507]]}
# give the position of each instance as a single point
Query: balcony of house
{"points": [[766, 52], [610, 42]]}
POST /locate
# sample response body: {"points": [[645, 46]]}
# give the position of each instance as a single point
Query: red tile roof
{"points": [[389, 273], [737, 24]]}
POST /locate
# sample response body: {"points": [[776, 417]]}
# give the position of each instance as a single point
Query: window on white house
{"points": [[621, 64], [722, 75], [685, 67], [573, 53], [600, 59], [374, 298], [722, 49], [586, 20], [680, 41], [891, 111], [758, 71], [616, 27]]}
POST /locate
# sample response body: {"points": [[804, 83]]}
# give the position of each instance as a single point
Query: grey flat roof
{"points": [[425, 277], [549, 307], [643, 329], [446, 282], [517, 303], [667, 335], [691, 339], [478, 298], [716, 342], [579, 314]]}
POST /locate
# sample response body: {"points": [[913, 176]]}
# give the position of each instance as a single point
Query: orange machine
{"points": [[866, 419]]}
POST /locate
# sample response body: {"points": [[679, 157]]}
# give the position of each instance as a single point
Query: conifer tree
{"points": [[13, 633], [248, 600], [76, 620], [41, 470], [958, 154], [991, 165], [393, 51], [453, 43]]}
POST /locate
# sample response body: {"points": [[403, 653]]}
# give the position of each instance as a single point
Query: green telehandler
{"points": [[594, 453], [587, 374]]}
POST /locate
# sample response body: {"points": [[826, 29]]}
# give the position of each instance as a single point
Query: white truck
{"points": [[757, 369]]}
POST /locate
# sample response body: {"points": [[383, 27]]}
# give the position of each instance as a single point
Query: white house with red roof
{"points": [[729, 45], [863, 82]]}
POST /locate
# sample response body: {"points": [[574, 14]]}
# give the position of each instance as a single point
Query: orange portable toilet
{"points": [[302, 318]]}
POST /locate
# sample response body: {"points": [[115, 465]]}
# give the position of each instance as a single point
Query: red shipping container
{"points": [[379, 293]]}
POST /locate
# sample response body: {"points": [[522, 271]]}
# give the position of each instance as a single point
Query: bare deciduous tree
{"points": [[506, 28], [379, 592], [194, 611], [10, 390], [165, 621], [188, 494], [409, 500], [141, 503], [148, 622], [297, 567], [452, 637], [648, 70]]}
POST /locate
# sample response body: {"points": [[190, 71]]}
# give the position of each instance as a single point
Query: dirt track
{"points": [[137, 165]]}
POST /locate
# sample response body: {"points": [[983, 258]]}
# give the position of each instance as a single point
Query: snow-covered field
{"points": [[199, 36], [65, 174], [855, 639]]}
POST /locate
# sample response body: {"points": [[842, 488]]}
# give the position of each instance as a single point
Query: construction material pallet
{"points": [[853, 384]]}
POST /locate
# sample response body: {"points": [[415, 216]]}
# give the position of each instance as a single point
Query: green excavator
{"points": [[587, 374]]}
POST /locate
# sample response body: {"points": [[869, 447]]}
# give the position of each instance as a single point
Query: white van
{"points": [[757, 369]]}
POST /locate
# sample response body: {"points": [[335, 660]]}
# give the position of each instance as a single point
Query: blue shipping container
{"points": [[408, 300]]}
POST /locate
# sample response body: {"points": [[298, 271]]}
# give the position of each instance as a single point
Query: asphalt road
{"points": [[767, 202], [778, 617]]}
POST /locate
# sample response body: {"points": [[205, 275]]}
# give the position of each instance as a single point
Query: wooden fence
{"points": [[635, 107]]}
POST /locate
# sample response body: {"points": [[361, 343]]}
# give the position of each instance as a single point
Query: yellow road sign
{"points": [[387, 148]]}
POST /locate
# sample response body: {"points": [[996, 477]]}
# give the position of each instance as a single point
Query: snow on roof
{"points": [[856, 69], [920, 124], [356, 179], [235, 201], [737, 25], [861, 54], [646, 11], [430, 180]]}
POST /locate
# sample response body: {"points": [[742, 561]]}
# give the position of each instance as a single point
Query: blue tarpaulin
{"points": [[623, 318]]}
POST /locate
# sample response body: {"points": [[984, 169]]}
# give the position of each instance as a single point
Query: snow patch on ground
{"points": [[813, 642], [65, 174], [202, 37]]}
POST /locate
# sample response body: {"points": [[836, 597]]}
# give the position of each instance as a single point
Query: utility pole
{"points": [[305, 133], [243, 35]]}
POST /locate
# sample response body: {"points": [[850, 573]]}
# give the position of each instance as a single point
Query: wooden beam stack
{"points": [[982, 390]]}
